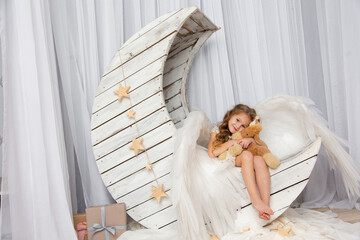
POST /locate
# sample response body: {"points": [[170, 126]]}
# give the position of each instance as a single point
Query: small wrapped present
{"points": [[106, 222]]}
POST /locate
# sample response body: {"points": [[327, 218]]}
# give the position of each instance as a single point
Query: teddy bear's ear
{"points": [[255, 121]]}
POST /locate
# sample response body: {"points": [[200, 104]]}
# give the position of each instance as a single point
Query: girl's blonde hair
{"points": [[224, 132]]}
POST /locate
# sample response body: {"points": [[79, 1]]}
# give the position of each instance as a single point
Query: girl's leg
{"points": [[246, 161], [262, 176]]}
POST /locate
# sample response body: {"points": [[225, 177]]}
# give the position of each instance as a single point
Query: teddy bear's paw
{"points": [[222, 156], [272, 161], [235, 150]]}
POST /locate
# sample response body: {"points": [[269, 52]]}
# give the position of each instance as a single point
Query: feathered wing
{"points": [[205, 191], [291, 123]]}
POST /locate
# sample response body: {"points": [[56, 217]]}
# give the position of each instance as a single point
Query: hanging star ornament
{"points": [[158, 193], [131, 114], [282, 231], [122, 92], [137, 145], [149, 166], [214, 237]]}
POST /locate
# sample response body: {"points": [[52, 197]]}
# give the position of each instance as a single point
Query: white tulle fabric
{"points": [[304, 224], [207, 193]]}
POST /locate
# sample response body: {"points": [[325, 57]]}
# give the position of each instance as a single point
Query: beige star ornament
{"points": [[214, 237], [283, 231], [149, 166], [122, 92], [131, 114], [158, 193], [137, 145]]}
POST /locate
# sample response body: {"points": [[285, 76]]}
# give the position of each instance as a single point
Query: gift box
{"points": [[106, 222], [80, 226]]}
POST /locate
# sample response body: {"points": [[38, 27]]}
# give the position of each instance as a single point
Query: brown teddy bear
{"points": [[258, 148]]}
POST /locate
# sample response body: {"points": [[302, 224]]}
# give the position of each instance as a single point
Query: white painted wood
{"points": [[173, 89], [174, 75], [177, 59], [161, 218], [150, 207], [121, 107], [145, 109], [155, 63], [123, 154], [178, 115], [124, 136], [184, 44], [134, 80], [287, 182], [308, 152], [113, 178], [192, 26], [172, 226], [142, 194], [161, 166], [152, 25], [150, 37], [203, 21], [173, 103], [128, 68], [279, 203]]}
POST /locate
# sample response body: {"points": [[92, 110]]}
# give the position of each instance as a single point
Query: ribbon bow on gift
{"points": [[108, 229]]}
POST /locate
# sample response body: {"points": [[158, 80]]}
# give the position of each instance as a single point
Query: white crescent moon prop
{"points": [[155, 63]]}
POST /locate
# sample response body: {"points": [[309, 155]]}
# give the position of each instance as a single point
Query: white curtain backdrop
{"points": [[54, 52]]}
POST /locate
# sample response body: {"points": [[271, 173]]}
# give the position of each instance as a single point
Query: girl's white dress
{"points": [[207, 192]]}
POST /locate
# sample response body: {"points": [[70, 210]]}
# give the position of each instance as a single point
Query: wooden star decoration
{"points": [[137, 145], [158, 193], [122, 92], [282, 231], [214, 237], [131, 114], [149, 166]]}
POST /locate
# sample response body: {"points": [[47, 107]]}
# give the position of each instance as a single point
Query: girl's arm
{"points": [[214, 152], [245, 142]]}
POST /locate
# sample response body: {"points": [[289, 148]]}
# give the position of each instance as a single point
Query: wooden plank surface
{"points": [[155, 63], [137, 96], [148, 38], [124, 136], [142, 110], [126, 69], [117, 177], [134, 80], [123, 154]]}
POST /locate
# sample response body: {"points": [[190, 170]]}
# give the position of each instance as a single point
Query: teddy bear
{"points": [[258, 148]]}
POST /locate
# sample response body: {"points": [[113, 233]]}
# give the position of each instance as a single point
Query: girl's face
{"points": [[238, 122]]}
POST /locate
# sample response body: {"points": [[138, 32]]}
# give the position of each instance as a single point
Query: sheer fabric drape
{"points": [[53, 55]]}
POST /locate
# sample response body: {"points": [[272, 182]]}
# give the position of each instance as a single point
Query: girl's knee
{"points": [[259, 162], [245, 156]]}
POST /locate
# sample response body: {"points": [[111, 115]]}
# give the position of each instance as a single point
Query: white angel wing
{"points": [[290, 124]]}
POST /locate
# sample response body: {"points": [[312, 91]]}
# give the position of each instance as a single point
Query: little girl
{"points": [[253, 168]]}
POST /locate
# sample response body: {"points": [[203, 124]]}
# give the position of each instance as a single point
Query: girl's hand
{"points": [[233, 142], [245, 142]]}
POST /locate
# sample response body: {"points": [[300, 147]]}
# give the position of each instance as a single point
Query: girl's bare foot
{"points": [[264, 210], [264, 216]]}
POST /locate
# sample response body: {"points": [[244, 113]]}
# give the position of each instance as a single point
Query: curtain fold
{"points": [[54, 53], [35, 167]]}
